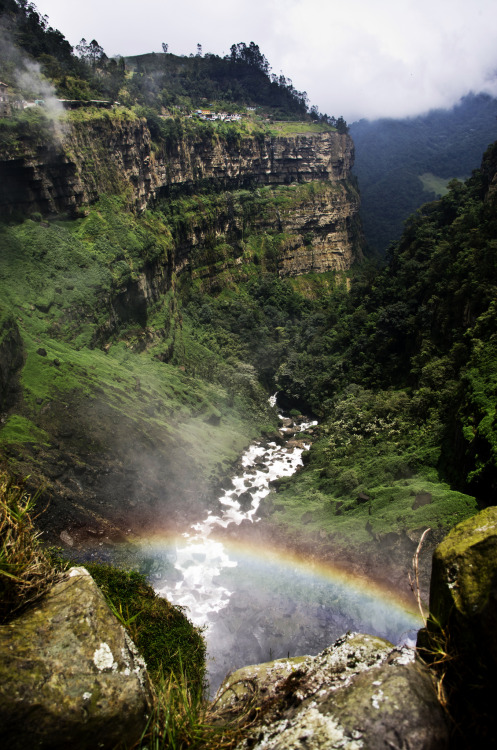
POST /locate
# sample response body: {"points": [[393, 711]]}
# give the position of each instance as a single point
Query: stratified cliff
{"points": [[78, 161], [111, 154]]}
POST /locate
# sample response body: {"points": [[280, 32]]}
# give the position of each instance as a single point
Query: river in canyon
{"points": [[255, 601]]}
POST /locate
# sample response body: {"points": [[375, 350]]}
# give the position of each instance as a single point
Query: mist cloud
{"points": [[390, 58], [26, 77]]}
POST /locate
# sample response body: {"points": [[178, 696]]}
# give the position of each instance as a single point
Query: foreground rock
{"points": [[69, 674], [359, 693], [460, 636]]}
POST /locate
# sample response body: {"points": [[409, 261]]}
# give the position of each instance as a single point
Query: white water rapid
{"points": [[201, 559], [255, 603]]}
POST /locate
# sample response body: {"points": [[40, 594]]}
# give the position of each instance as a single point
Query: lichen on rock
{"points": [[361, 692], [69, 674]]}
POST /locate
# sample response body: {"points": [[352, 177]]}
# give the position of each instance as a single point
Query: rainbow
{"points": [[277, 564]]}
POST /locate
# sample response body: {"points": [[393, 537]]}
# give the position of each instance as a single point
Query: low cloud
{"points": [[390, 58]]}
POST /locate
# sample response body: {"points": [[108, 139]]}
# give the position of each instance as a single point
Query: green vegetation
{"points": [[373, 459], [438, 186], [165, 638], [25, 569], [29, 37], [418, 336], [150, 342], [28, 128], [298, 128], [18, 429], [93, 342]]}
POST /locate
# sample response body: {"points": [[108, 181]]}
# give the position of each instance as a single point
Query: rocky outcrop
{"points": [[11, 356], [258, 161], [460, 634], [359, 693], [69, 674]]}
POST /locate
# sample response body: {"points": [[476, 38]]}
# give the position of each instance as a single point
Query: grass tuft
{"points": [[25, 569]]}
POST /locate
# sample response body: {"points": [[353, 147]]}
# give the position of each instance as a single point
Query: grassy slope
{"points": [[59, 280]]}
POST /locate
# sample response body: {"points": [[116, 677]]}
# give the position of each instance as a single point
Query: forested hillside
{"points": [[402, 164], [164, 83]]}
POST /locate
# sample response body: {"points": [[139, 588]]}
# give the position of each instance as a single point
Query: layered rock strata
{"points": [[77, 164], [112, 155], [263, 161]]}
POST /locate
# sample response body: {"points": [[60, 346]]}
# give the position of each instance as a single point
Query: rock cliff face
{"points": [[265, 161], [331, 221], [317, 224], [80, 162], [112, 155]]}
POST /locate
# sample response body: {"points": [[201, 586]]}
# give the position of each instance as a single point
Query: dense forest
{"points": [[402, 164]]}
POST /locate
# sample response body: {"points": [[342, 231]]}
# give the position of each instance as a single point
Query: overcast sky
{"points": [[356, 58]]}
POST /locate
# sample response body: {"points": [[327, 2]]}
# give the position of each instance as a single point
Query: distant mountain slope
{"points": [[392, 155]]}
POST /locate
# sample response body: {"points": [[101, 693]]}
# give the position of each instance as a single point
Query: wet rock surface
{"points": [[69, 674], [359, 693]]}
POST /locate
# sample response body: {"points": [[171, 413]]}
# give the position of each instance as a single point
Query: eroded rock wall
{"points": [[264, 161], [110, 155], [78, 162]]}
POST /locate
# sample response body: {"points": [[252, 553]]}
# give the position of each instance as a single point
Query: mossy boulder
{"points": [[460, 634], [464, 576], [361, 692], [69, 674]]}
